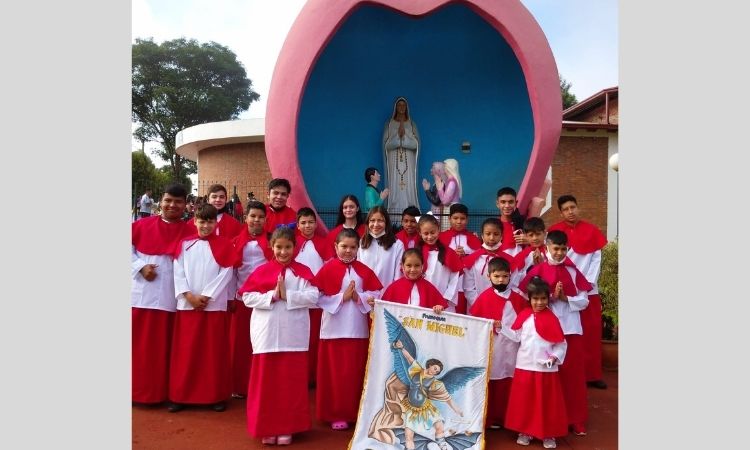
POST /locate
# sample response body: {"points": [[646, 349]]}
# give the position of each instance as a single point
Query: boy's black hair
{"points": [[412, 211], [498, 264], [458, 208], [533, 224], [216, 188], [505, 191], [276, 182], [283, 232], [369, 172], [306, 212], [561, 200], [557, 237], [206, 211], [537, 286], [428, 218], [255, 204], [176, 190], [491, 221], [412, 251]]}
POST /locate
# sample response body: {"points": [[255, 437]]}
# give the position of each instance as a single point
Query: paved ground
{"points": [[156, 429]]}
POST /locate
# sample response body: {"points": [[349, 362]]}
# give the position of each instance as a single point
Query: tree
{"points": [[146, 175], [568, 98], [182, 83]]}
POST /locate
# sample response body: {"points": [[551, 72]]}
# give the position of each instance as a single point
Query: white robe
{"points": [[476, 280], [385, 263], [197, 271], [444, 280], [568, 312], [346, 319], [282, 326], [156, 294], [534, 349], [590, 264], [252, 257], [504, 349]]}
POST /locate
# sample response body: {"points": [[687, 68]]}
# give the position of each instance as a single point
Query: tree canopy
{"points": [[568, 98], [182, 83]]}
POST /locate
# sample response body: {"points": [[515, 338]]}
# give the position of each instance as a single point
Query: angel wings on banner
{"points": [[409, 414]]}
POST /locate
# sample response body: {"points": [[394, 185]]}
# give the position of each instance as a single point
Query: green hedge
{"points": [[608, 291]]}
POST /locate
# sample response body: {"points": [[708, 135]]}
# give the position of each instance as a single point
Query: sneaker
{"points": [[599, 384], [495, 426], [219, 407], [523, 439], [238, 396], [175, 407], [284, 439], [579, 430], [549, 443], [270, 440]]}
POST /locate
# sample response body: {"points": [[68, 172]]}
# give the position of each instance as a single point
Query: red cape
{"points": [[546, 323], [452, 260], [153, 236], [324, 250], [328, 279], [221, 248], [400, 290], [243, 238], [286, 217], [490, 305], [583, 237], [265, 277], [228, 226], [472, 240], [508, 240], [552, 274], [520, 259], [405, 238]]}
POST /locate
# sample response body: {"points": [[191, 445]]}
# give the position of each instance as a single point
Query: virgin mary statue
{"points": [[401, 150]]}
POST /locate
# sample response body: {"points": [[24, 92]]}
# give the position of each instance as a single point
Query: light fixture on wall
{"points": [[465, 147]]}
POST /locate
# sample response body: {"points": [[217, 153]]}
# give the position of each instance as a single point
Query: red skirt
{"points": [[536, 405], [199, 372], [591, 321], [316, 315], [240, 349], [573, 381], [152, 339], [497, 400], [277, 399], [341, 372], [461, 306]]}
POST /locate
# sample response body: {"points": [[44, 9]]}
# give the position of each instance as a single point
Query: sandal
{"points": [[271, 440], [339, 425], [285, 439]]}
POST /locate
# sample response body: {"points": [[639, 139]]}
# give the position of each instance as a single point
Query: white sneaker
{"points": [[523, 439], [549, 443]]}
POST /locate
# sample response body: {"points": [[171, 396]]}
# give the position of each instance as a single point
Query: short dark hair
{"points": [[433, 362], [255, 204], [347, 233], [306, 212], [458, 208], [506, 190], [369, 172], [216, 188], [533, 224], [276, 182], [206, 211], [561, 200], [412, 251], [537, 285], [557, 237], [498, 264], [411, 211], [176, 190]]}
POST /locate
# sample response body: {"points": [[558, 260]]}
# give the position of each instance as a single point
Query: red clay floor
{"points": [[154, 428]]}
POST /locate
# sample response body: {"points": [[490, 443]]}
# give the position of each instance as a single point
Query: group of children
{"points": [[304, 301]]}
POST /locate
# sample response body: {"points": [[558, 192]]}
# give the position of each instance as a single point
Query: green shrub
{"points": [[608, 291]]}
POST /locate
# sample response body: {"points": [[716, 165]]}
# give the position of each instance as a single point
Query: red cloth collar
{"points": [[154, 236], [400, 290], [265, 277], [583, 237], [324, 250], [228, 226], [546, 323], [243, 238], [328, 279], [406, 239], [287, 217], [469, 260], [221, 248], [452, 260], [472, 241], [508, 239], [552, 274]]}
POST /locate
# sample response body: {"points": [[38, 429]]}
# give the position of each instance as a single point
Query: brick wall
{"points": [[241, 165], [579, 168]]}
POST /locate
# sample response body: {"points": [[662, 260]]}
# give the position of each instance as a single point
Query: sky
{"points": [[583, 35]]}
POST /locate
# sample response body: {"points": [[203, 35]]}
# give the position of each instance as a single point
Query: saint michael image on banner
{"points": [[426, 381]]}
